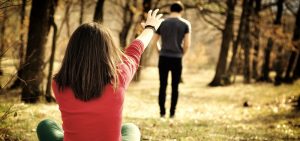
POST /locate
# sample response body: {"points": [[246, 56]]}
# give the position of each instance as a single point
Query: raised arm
{"points": [[136, 48], [152, 23]]}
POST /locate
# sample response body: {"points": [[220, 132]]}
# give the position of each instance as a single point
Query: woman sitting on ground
{"points": [[89, 87]]}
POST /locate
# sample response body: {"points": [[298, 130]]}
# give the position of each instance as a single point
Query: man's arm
{"points": [[186, 42], [155, 43]]}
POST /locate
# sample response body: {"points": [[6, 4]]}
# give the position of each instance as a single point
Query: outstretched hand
{"points": [[153, 19]]}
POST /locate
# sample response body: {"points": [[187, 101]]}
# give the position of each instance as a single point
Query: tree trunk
{"points": [[231, 69], [292, 60], [32, 72], [53, 6], [288, 75], [2, 39], [256, 39], [22, 15], [296, 73], [277, 20], [227, 38], [246, 44], [67, 16], [146, 7], [66, 19], [127, 22], [296, 38], [279, 55], [17, 82], [278, 66], [98, 15], [81, 12], [266, 69]]}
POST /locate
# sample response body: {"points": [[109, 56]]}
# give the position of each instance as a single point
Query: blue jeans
{"points": [[48, 130]]}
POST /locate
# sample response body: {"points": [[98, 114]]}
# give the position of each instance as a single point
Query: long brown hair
{"points": [[90, 62]]}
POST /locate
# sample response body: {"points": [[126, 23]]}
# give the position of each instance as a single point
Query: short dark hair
{"points": [[176, 7]]}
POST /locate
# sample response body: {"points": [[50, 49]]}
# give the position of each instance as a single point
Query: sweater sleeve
{"points": [[131, 62]]}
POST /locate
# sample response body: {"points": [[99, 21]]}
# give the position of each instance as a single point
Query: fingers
{"points": [[149, 14], [153, 18], [159, 16], [155, 13], [152, 13], [161, 20]]}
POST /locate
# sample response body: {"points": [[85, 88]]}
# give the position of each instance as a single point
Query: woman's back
{"points": [[89, 87], [98, 119]]}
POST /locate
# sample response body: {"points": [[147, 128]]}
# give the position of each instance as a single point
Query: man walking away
{"points": [[175, 34]]}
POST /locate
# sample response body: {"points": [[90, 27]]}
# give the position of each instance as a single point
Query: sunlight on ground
{"points": [[203, 113]]}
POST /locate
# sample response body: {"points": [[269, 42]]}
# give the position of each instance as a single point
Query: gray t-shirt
{"points": [[172, 31]]}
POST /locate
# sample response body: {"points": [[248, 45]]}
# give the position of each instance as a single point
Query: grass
{"points": [[203, 113]]}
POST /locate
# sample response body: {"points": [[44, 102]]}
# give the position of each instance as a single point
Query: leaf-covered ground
{"points": [[257, 111]]}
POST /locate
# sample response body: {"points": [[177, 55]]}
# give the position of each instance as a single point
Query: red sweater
{"points": [[99, 119]]}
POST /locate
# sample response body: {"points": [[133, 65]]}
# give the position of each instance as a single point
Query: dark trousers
{"points": [[165, 65]]}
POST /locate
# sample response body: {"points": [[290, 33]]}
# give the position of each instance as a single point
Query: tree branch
{"points": [[7, 6], [289, 8], [264, 7], [10, 3], [211, 23]]}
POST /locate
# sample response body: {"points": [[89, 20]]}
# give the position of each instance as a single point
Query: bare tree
{"points": [[278, 17], [293, 59], [98, 15], [66, 19], [22, 16], [17, 82], [296, 72], [82, 4], [246, 42], [5, 4], [68, 4], [296, 39], [267, 52], [256, 35], [241, 35], [127, 22], [2, 39], [266, 64], [146, 6], [226, 40], [32, 71], [279, 52], [53, 6]]}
